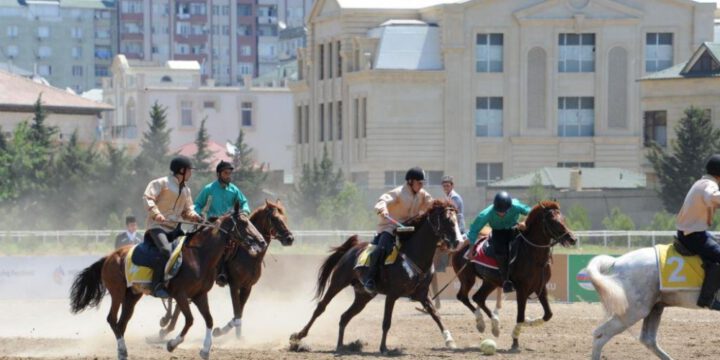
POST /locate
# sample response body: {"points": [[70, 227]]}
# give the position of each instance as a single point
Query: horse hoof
{"points": [[170, 346], [480, 327], [496, 327], [451, 344], [162, 333], [164, 321], [122, 355], [205, 355], [217, 332]]}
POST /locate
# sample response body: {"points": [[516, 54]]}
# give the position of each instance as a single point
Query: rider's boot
{"points": [[369, 280], [710, 285], [158, 281], [503, 264], [222, 277]]}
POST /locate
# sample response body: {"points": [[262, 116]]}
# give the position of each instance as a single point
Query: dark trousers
{"points": [[384, 243], [161, 241], [500, 240], [701, 243]]}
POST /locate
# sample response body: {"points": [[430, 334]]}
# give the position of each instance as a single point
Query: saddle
{"points": [[364, 258], [142, 257], [676, 270], [485, 253]]}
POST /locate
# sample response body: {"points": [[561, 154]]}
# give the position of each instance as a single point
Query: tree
{"points": [[618, 221], [316, 184], [74, 165], [678, 169], [248, 175], [155, 143], [662, 220], [201, 160], [41, 133], [115, 181], [536, 192], [346, 210], [577, 218]]}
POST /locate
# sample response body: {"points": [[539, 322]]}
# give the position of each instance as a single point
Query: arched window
{"points": [[166, 79]]}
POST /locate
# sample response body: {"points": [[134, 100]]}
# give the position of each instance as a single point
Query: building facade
{"points": [[70, 43], [483, 90], [264, 114]]}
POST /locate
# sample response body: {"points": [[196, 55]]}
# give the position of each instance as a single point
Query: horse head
{"points": [[239, 229], [272, 222], [546, 216], [442, 217]]}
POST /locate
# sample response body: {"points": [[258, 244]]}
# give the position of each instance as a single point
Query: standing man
{"points": [[219, 197], [130, 236]]}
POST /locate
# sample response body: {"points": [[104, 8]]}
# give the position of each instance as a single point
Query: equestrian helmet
{"points": [[415, 173], [502, 201]]}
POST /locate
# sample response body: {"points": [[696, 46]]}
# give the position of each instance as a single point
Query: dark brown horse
{"points": [[530, 270], [245, 268], [408, 277], [195, 278]]}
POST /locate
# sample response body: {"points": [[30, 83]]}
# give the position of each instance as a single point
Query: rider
{"points": [[402, 203], [502, 216], [168, 199], [693, 221], [219, 197]]}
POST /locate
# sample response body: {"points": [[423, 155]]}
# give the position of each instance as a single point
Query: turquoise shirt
{"points": [[490, 217], [222, 199]]}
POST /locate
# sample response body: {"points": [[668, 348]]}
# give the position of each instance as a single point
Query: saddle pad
{"points": [[678, 272], [364, 258], [482, 256], [137, 274]]}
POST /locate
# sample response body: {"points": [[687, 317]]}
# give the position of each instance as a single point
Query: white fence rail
{"points": [[615, 239]]}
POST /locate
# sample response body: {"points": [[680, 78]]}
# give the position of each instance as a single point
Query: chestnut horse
{"points": [[201, 255], [245, 268], [408, 277], [530, 270]]}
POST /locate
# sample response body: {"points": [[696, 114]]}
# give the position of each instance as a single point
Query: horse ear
{"points": [[267, 203], [277, 201]]}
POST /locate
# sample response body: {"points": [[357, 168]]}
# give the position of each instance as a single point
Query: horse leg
{"points": [[201, 302], [238, 297], [128, 306], [184, 306], [605, 332], [430, 309], [520, 319], [547, 312], [361, 299], [117, 297], [387, 321], [480, 298], [336, 285], [466, 284], [168, 313], [171, 325], [648, 336]]}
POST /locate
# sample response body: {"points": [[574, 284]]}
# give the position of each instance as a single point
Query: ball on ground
{"points": [[488, 347]]}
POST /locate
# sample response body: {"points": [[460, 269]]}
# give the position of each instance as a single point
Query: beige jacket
{"points": [[700, 202], [402, 205], [160, 198]]}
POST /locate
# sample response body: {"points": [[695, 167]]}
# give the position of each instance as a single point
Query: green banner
{"points": [[579, 286]]}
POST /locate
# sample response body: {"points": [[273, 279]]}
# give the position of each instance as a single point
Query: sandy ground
{"points": [[46, 329]]}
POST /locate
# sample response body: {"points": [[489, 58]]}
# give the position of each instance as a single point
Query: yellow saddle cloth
{"points": [[136, 274], [678, 272], [364, 258]]}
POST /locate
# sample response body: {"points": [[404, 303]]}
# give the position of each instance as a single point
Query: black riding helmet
{"points": [[713, 165], [223, 165], [502, 201], [179, 163], [415, 173]]}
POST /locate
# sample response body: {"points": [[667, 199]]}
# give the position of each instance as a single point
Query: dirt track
{"points": [[33, 329]]}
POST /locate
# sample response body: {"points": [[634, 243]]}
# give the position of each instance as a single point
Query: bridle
{"points": [[437, 227], [275, 224], [547, 231]]}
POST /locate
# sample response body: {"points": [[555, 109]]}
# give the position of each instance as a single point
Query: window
{"points": [[488, 116], [197, 9], [245, 50], [435, 177], [575, 164], [364, 117], [321, 62], [183, 28], [655, 128], [577, 53], [76, 33], [186, 113], [486, 173], [658, 51], [321, 121], [131, 7], [339, 120], [225, 9], [43, 31], [299, 124], [102, 33], [76, 52], [489, 53], [330, 121], [246, 110], [103, 53], [244, 30], [306, 112], [226, 29], [339, 60], [77, 70], [12, 31], [330, 62], [101, 71], [394, 178], [245, 68], [179, 49], [13, 50], [576, 116], [216, 10], [244, 10], [44, 52], [356, 116], [705, 64], [45, 70]]}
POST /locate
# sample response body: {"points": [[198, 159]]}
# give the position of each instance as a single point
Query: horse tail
{"points": [[331, 262], [87, 288], [610, 290]]}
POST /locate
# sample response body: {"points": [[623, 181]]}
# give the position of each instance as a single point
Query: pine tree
{"points": [[41, 133], [248, 175], [679, 168], [201, 159], [155, 144], [316, 184], [536, 192]]}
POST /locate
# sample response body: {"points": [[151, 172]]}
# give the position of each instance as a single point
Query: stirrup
{"points": [[508, 286], [369, 286], [161, 292], [221, 280]]}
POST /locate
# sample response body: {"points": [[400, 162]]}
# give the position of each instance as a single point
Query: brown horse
{"points": [[530, 270], [244, 268], [196, 276], [408, 277]]}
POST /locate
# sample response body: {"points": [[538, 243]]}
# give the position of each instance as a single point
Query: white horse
{"points": [[629, 288]]}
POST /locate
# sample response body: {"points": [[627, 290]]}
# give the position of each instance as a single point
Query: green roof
{"points": [[590, 178], [676, 71]]}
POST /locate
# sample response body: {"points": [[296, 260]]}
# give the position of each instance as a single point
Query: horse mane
{"points": [[436, 204], [536, 211], [269, 204]]}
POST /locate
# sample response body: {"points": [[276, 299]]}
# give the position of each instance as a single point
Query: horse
{"points": [[530, 269], [629, 289], [408, 277], [201, 255], [245, 268]]}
